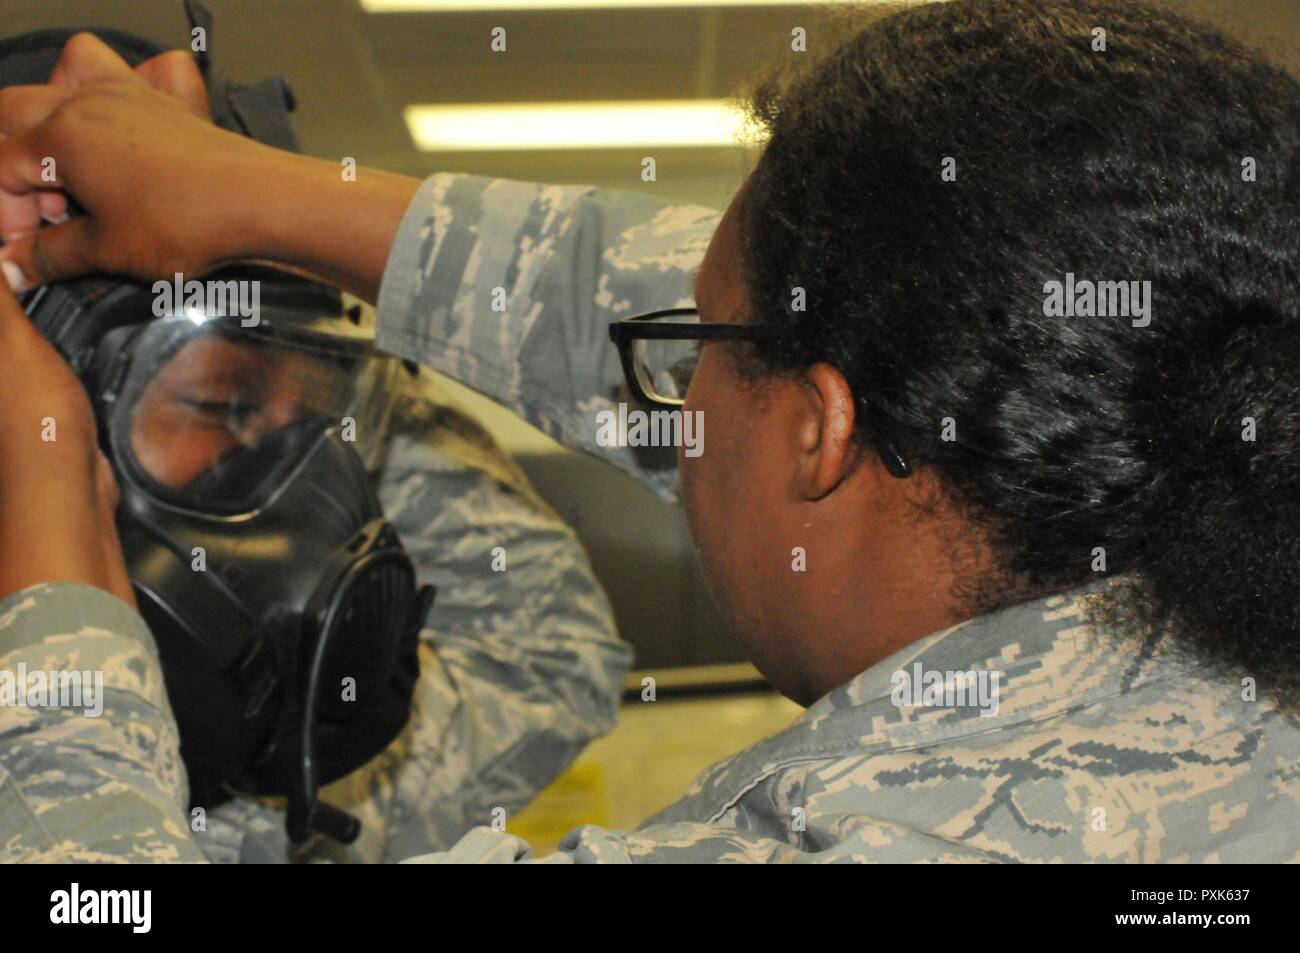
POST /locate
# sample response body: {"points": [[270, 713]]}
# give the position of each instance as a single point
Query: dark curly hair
{"points": [[1071, 432]]}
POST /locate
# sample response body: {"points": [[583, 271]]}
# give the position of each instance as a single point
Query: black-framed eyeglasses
{"points": [[660, 351]]}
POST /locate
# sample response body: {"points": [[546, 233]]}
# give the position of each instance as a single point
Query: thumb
{"points": [[52, 253], [176, 73]]}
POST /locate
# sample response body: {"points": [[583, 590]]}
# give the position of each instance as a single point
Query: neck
{"points": [[883, 588]]}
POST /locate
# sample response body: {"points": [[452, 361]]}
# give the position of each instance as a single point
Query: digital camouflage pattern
{"points": [[1100, 748], [1101, 751], [74, 788]]}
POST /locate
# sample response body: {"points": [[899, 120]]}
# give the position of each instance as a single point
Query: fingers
{"points": [[22, 107], [20, 185], [28, 187], [88, 59], [19, 215], [26, 165], [176, 73], [53, 206], [24, 171], [48, 254]]}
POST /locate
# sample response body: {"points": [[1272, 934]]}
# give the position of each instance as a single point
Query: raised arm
{"points": [[507, 286], [510, 287]]}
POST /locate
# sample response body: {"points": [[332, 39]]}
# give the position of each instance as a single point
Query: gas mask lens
{"points": [[212, 417]]}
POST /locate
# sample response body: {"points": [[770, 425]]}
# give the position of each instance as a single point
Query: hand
{"points": [[166, 191], [57, 492], [138, 151], [88, 59]]}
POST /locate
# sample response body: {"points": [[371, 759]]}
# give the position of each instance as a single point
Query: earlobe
{"points": [[829, 454]]}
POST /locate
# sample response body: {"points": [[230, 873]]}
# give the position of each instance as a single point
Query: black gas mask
{"points": [[285, 610], [242, 414]]}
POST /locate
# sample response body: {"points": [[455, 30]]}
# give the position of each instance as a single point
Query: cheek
{"points": [[174, 458], [717, 485], [699, 470]]}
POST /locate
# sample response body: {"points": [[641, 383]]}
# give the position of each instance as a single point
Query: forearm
{"points": [[300, 212], [56, 523], [112, 740], [510, 287]]}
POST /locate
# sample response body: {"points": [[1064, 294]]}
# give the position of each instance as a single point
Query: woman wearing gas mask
{"points": [[1036, 586], [287, 500]]}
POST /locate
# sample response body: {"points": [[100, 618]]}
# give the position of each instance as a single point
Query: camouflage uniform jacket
{"points": [[1099, 748], [1090, 747]]}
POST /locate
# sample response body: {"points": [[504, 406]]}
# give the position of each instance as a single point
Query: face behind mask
{"points": [[285, 610]]}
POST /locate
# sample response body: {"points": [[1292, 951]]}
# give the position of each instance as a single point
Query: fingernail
{"points": [[55, 219], [14, 275]]}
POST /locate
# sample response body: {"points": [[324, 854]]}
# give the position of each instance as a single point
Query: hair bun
{"points": [[1228, 403]]}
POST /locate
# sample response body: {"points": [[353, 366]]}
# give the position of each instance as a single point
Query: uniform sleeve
{"points": [[509, 287], [90, 766], [667, 844], [520, 665], [852, 839]]}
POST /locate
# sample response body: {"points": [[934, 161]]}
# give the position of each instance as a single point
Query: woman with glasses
{"points": [[1034, 576]]}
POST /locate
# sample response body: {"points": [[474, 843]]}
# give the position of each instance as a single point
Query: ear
{"points": [[828, 453]]}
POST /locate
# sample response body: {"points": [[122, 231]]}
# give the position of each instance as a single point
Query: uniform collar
{"points": [[1047, 658]]}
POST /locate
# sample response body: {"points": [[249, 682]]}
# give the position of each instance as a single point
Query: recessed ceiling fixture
{"points": [[612, 124]]}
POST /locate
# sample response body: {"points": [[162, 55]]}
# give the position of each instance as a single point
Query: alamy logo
{"points": [[931, 688], [134, 907], [199, 300], [1098, 299], [54, 689], [658, 428]]}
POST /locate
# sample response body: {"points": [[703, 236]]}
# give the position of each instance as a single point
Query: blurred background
{"points": [[369, 77]]}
